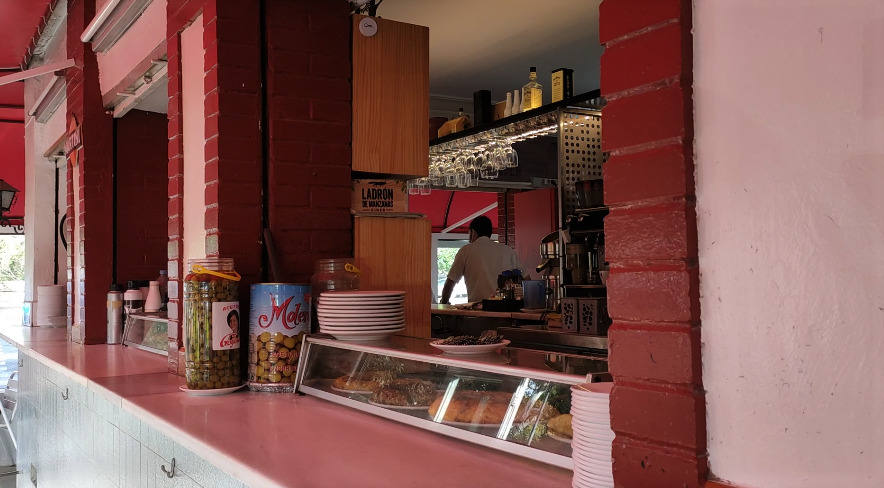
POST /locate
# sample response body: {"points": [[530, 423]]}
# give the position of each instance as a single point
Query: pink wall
{"points": [[142, 37], [789, 116], [194, 130], [12, 162]]}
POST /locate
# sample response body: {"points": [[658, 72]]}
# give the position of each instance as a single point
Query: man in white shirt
{"points": [[479, 263]]}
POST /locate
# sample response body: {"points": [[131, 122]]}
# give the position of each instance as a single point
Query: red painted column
{"points": [[304, 151], [658, 403], [179, 15], [233, 138], [94, 162], [506, 218], [233, 157], [308, 115]]}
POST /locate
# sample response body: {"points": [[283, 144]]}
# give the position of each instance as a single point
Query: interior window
{"points": [[445, 247], [445, 250]]}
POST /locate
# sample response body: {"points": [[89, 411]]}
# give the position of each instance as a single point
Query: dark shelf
{"points": [[576, 100]]}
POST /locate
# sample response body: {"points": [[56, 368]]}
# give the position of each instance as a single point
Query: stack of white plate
{"points": [[591, 444], [361, 315]]}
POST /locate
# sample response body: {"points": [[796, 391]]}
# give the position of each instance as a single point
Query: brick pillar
{"points": [[94, 163], [658, 403], [308, 114], [233, 157], [307, 159], [234, 170], [179, 14], [506, 218]]}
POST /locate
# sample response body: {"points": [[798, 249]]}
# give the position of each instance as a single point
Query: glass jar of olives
{"points": [[212, 325], [334, 274]]}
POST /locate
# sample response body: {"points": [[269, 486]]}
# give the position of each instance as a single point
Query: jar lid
{"points": [[133, 295]]}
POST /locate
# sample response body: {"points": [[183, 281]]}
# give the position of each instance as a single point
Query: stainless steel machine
{"points": [[549, 268]]}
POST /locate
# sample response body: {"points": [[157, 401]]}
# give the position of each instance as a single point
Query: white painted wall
{"points": [[194, 132], [789, 115], [148, 31], [40, 175]]}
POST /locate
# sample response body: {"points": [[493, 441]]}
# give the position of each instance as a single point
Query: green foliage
{"points": [[445, 258], [12, 258]]}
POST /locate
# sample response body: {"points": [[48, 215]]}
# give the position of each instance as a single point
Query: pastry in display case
{"points": [[515, 400]]}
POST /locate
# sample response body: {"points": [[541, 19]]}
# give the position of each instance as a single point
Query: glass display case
{"points": [[514, 400], [147, 331]]}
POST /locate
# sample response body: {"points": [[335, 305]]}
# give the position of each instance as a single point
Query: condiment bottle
{"points": [[114, 315]]}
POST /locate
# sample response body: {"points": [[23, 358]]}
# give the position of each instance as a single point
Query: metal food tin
{"points": [[279, 317]]}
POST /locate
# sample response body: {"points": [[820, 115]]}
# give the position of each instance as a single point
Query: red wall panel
{"points": [[141, 181], [657, 404], [308, 115], [535, 217]]}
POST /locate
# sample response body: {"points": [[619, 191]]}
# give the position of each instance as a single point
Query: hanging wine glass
{"points": [[464, 179], [435, 175], [512, 157], [489, 170], [423, 185], [476, 167], [499, 158]]}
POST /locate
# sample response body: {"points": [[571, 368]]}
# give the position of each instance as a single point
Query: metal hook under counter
{"points": [[170, 473]]}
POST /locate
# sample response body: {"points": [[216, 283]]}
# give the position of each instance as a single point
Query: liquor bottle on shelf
{"points": [[562, 84], [509, 105], [532, 92], [517, 104]]}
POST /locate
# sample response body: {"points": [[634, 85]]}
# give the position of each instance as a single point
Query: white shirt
{"points": [[479, 262]]}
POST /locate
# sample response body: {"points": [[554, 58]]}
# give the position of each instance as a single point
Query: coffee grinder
{"points": [[550, 262]]}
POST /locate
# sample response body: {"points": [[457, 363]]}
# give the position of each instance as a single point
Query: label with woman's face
{"points": [[225, 325]]}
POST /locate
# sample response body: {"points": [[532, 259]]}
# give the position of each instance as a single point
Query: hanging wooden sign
{"points": [[379, 196], [73, 141]]}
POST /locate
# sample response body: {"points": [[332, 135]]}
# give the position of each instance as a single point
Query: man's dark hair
{"points": [[482, 226]]}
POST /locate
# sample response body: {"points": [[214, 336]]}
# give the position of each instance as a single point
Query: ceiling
{"points": [[490, 44], [18, 23], [158, 99]]}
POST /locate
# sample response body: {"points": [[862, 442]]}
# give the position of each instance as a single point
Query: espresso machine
{"points": [[550, 263]]}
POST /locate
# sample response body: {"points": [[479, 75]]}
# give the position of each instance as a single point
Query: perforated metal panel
{"points": [[580, 153]]}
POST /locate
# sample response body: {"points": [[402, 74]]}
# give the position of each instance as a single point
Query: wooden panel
{"points": [[391, 98], [394, 254]]}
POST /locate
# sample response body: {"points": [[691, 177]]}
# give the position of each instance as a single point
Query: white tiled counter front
{"points": [[74, 434]]}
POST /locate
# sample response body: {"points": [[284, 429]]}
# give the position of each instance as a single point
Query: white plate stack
{"points": [[52, 306], [361, 315], [591, 445]]}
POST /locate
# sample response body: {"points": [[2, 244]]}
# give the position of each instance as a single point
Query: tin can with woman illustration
{"points": [[278, 320]]}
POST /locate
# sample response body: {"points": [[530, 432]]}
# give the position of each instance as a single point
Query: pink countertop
{"points": [[268, 440]]}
